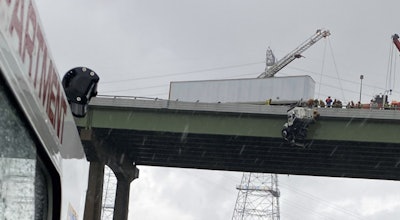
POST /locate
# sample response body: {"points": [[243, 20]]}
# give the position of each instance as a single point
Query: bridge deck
{"points": [[343, 143]]}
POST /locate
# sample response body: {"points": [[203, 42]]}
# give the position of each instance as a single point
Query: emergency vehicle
{"points": [[43, 168]]}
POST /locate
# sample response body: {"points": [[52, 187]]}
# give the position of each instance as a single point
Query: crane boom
{"points": [[296, 53], [396, 41]]}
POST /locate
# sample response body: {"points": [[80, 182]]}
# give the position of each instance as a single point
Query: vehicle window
{"points": [[23, 187]]}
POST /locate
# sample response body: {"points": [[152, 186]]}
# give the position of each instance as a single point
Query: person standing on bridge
{"points": [[328, 102]]}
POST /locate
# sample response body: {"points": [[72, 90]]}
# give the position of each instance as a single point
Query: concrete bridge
{"points": [[125, 132]]}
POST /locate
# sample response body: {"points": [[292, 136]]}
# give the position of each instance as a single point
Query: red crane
{"points": [[396, 41]]}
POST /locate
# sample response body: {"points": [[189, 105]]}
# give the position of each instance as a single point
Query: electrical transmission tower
{"points": [[109, 191], [258, 197]]}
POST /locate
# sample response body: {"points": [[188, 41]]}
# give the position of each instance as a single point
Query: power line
{"points": [[166, 93], [183, 73], [140, 88], [334, 87], [251, 74], [345, 80], [163, 85], [320, 200], [303, 208]]}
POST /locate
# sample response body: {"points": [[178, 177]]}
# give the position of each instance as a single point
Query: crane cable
{"points": [[389, 67], [336, 70], [322, 71], [394, 72]]}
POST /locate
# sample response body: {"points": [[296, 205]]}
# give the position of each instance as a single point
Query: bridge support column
{"points": [[95, 191], [121, 206], [125, 173]]}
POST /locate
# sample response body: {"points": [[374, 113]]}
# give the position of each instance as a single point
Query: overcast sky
{"points": [[138, 47]]}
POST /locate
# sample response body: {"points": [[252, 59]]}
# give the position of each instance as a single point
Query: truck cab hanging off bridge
{"points": [[295, 129]]}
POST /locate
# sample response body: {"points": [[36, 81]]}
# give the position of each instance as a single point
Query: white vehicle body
{"points": [[34, 104], [300, 113]]}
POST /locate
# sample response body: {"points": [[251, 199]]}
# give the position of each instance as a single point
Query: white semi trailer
{"points": [[252, 90]]}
